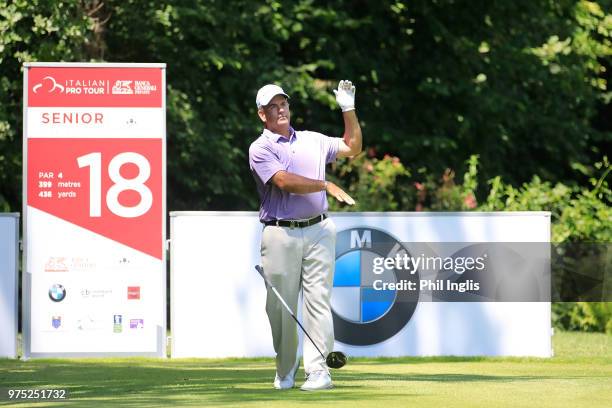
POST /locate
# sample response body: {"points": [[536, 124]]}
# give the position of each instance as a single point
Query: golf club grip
{"points": [[259, 270]]}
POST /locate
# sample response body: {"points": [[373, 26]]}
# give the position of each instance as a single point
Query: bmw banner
{"points": [[405, 284]]}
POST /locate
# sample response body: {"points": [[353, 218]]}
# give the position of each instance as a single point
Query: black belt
{"points": [[296, 223]]}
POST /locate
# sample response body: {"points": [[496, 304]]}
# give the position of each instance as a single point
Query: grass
{"points": [[580, 375]]}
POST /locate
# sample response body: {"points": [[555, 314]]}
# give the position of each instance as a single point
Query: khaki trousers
{"points": [[294, 259]]}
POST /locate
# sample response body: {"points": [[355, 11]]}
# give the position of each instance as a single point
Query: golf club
{"points": [[335, 359]]}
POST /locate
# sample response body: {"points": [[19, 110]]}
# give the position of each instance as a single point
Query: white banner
{"points": [[9, 252], [46, 122], [218, 299], [94, 204]]}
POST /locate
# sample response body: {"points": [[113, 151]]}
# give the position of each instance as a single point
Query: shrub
{"points": [[375, 184], [584, 316]]}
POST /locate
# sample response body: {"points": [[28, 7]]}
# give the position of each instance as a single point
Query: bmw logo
{"points": [[364, 309], [57, 293]]}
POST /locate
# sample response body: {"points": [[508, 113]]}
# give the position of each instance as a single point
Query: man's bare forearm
{"points": [[293, 183], [352, 132]]}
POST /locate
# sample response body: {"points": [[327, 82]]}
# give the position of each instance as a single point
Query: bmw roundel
{"points": [[57, 293], [366, 307]]}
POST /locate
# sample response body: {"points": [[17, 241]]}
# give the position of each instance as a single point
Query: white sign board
{"points": [[94, 210], [9, 255], [218, 299]]}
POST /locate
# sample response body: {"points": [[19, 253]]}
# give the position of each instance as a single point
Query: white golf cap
{"points": [[266, 93]]}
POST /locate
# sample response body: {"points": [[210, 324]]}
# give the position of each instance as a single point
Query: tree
{"points": [[31, 31], [522, 84]]}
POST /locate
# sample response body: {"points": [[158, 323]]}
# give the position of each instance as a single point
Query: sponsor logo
{"points": [[86, 86], [133, 292], [57, 293], [82, 264], [122, 88], [144, 87], [64, 264], [136, 323], [362, 314], [48, 84], [56, 264], [88, 293], [71, 86], [86, 323], [117, 323], [56, 321]]}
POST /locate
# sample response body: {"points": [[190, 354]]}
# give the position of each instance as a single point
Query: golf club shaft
{"points": [[260, 270]]}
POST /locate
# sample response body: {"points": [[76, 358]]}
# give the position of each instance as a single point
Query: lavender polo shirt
{"points": [[305, 153]]}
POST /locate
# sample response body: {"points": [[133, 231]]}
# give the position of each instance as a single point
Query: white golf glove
{"points": [[345, 96]]}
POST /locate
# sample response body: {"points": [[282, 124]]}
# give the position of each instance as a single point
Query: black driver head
{"points": [[336, 359]]}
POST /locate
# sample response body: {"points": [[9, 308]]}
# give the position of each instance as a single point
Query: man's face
{"points": [[276, 114]]}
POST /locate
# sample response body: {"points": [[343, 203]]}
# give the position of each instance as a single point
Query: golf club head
{"points": [[336, 359]]}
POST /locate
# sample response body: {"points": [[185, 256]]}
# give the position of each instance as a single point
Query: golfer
{"points": [[298, 240]]}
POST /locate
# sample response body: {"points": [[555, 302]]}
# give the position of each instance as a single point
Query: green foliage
{"points": [[218, 56], [33, 30], [578, 214], [522, 85], [449, 196], [436, 82], [377, 184], [535, 195], [583, 316], [587, 217], [386, 185], [592, 39]]}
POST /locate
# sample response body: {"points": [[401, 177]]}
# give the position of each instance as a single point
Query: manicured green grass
{"points": [[580, 375]]}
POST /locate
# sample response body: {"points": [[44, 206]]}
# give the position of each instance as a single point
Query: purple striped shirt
{"points": [[305, 153]]}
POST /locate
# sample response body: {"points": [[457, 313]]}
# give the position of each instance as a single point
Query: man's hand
{"points": [[339, 194], [345, 96]]}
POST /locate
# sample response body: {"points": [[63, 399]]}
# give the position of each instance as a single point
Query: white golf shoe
{"points": [[317, 380], [288, 381]]}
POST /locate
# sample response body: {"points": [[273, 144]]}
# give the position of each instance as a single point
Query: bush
{"points": [[578, 214], [584, 316], [445, 195], [376, 184], [387, 185]]}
